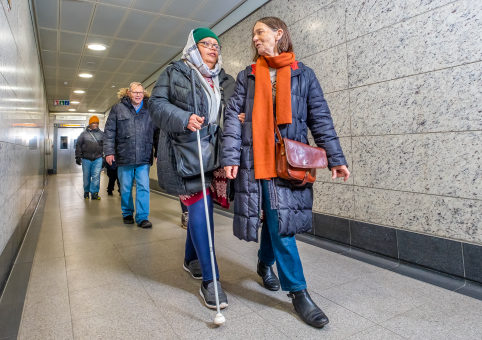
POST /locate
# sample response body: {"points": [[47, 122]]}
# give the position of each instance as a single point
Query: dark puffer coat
{"points": [[88, 147], [309, 110], [130, 136], [170, 107]]}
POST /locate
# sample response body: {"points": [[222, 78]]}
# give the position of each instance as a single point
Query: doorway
{"points": [[66, 142]]}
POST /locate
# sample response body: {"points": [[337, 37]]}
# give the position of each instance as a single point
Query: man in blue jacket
{"points": [[129, 140]]}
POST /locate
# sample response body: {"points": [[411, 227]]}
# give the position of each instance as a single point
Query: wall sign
{"points": [[61, 102], [70, 125], [57, 117]]}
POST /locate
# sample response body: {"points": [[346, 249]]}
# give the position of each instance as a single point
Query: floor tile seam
{"points": [[373, 321], [267, 320], [346, 308]]}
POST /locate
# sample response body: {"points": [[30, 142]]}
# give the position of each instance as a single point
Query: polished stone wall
{"points": [[403, 79], [23, 113]]}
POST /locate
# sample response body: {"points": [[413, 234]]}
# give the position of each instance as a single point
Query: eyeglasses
{"points": [[137, 93], [209, 45]]}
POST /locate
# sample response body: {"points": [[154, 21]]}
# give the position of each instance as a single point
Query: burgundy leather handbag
{"points": [[297, 162]]}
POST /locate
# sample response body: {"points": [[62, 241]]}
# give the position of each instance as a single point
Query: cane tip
{"points": [[219, 319]]}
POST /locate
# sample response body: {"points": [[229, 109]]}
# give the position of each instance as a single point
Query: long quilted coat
{"points": [[170, 107], [309, 110]]}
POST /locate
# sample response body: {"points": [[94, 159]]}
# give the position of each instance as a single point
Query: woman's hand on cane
{"points": [[195, 123], [231, 171]]}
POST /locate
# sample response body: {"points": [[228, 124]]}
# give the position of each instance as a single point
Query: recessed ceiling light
{"points": [[85, 75], [97, 47], [113, 85], [74, 102], [79, 91], [72, 110], [91, 110]]}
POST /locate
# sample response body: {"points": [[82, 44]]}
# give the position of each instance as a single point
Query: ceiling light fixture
{"points": [[72, 110], [91, 110], [97, 47], [79, 91], [74, 102], [85, 75]]}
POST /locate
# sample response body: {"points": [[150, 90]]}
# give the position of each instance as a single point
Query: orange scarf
{"points": [[263, 120]]}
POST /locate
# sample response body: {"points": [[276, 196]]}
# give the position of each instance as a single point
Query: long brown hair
{"points": [[284, 44]]}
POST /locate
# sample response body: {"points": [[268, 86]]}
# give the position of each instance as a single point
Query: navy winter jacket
{"points": [[170, 107], [309, 110], [130, 136]]}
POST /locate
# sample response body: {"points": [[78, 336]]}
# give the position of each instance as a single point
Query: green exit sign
{"points": [[61, 102]]}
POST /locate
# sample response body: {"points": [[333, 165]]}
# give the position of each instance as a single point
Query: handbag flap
{"points": [[300, 155]]}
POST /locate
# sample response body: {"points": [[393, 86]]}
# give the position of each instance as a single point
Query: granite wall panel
{"points": [[444, 37], [22, 122], [446, 100], [403, 81]]}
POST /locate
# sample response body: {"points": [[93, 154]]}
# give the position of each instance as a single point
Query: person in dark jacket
{"points": [[130, 136], [171, 108], [277, 85], [113, 178], [88, 153]]}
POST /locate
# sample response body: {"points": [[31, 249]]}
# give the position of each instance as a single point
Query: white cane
{"points": [[219, 319]]}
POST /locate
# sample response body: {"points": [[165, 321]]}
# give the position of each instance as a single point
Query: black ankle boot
{"points": [[270, 280], [307, 309]]}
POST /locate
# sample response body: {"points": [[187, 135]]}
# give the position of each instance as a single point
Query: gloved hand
{"points": [[78, 161]]}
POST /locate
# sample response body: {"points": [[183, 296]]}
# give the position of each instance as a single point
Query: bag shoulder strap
{"points": [[93, 137], [278, 133]]}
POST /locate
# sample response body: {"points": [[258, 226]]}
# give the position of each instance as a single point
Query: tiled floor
{"points": [[96, 278]]}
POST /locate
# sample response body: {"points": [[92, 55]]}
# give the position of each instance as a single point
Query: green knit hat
{"points": [[203, 32]]}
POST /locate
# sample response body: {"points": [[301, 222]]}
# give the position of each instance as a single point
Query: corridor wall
{"points": [[403, 79], [23, 114]]}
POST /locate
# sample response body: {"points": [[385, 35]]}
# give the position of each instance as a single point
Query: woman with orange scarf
{"points": [[276, 87]]}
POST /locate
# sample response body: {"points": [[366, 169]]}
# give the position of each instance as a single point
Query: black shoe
{"points": [[270, 280], [145, 224], [95, 196], [86, 195], [193, 268], [210, 298], [307, 309], [109, 193], [128, 219]]}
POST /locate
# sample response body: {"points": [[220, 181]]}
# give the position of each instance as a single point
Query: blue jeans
{"points": [[281, 249], [91, 171], [126, 174], [197, 243]]}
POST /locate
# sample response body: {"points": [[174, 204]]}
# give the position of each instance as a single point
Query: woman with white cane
{"points": [[187, 104]]}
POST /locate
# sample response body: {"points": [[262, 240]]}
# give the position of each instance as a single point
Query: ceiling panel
{"points": [[154, 6], [123, 3], [90, 63], [180, 37], [148, 68], [106, 20], [50, 72], [121, 48], [49, 58], [130, 66], [69, 60], [47, 13], [120, 77], [71, 42], [76, 15], [182, 8], [97, 85], [213, 10], [136, 24], [162, 28], [111, 65], [67, 73], [51, 81], [143, 51], [164, 54], [103, 76], [48, 39]]}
